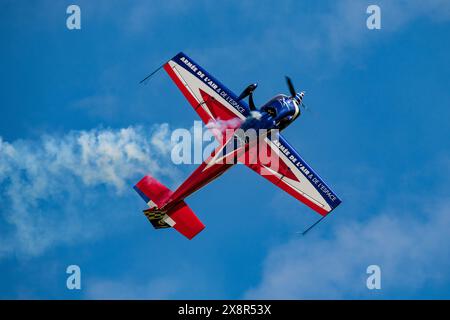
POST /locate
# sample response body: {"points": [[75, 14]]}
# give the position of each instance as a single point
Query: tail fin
{"points": [[179, 216]]}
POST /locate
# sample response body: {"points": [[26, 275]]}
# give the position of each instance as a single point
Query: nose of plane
{"points": [[299, 97]]}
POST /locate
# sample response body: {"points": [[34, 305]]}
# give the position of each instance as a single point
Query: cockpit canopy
{"points": [[283, 109]]}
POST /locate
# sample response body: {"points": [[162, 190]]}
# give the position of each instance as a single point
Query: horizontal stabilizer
{"points": [[180, 217], [151, 190], [186, 222]]}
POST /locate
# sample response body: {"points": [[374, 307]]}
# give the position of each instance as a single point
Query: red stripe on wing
{"points": [[195, 104]]}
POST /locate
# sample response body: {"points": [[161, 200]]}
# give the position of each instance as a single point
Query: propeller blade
{"points": [[291, 86]]}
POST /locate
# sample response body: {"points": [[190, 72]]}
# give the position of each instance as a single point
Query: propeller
{"points": [[291, 87], [293, 92], [249, 92]]}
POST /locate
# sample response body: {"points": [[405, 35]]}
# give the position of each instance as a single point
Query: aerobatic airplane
{"points": [[215, 104]]}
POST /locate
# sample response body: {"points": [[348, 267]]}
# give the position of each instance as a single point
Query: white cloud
{"points": [[330, 34], [52, 188], [345, 25], [410, 247], [158, 288], [175, 281]]}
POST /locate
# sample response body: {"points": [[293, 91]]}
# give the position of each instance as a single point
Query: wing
{"points": [[284, 167], [210, 99]]}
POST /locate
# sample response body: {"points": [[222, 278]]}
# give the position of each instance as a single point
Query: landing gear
{"points": [[249, 92]]}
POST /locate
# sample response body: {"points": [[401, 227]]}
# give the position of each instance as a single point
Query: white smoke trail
{"points": [[54, 190]]}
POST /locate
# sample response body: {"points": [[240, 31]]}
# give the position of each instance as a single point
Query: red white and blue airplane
{"points": [[215, 103]]}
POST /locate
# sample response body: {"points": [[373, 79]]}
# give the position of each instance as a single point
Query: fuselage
{"points": [[277, 113]]}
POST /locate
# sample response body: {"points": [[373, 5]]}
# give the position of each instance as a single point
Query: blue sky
{"points": [[77, 131]]}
